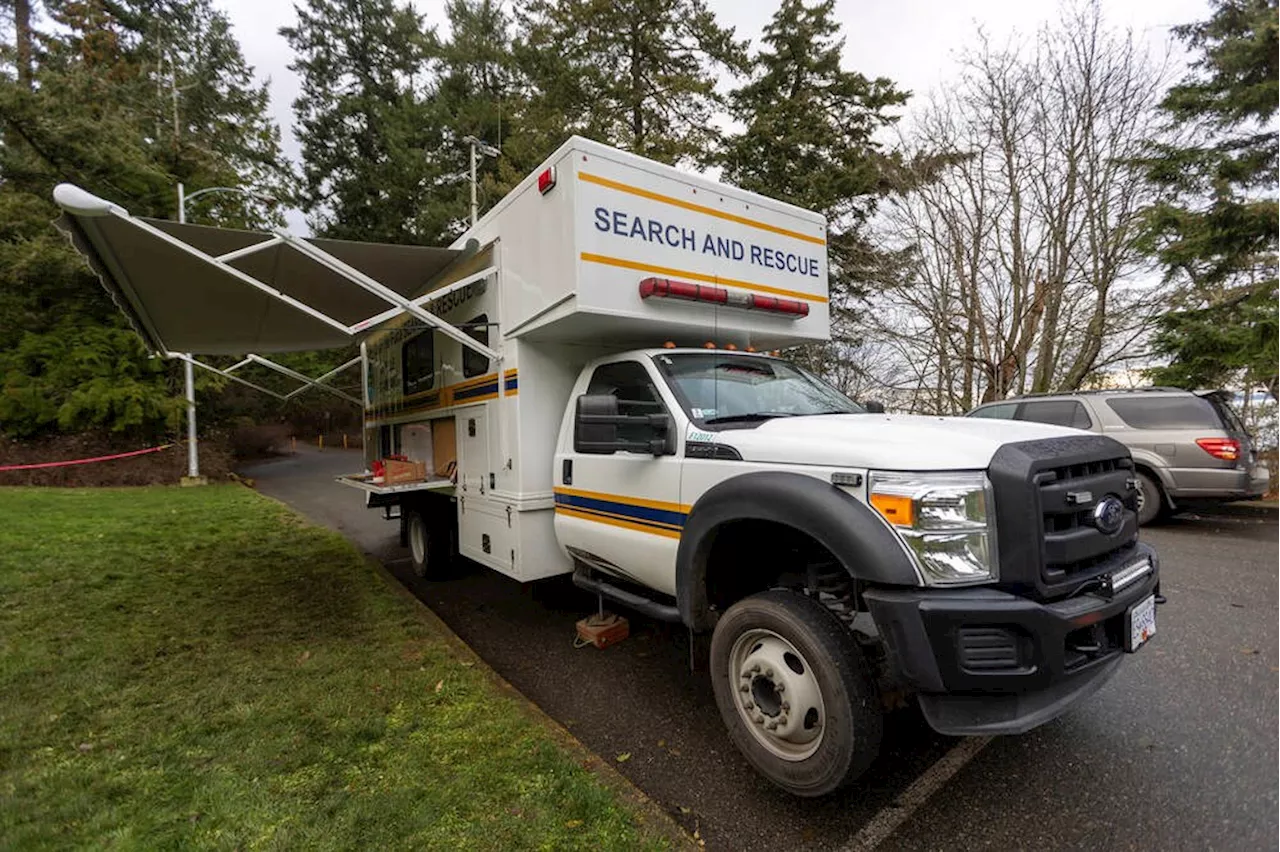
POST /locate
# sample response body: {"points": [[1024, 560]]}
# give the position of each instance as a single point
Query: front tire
{"points": [[795, 692], [429, 549]]}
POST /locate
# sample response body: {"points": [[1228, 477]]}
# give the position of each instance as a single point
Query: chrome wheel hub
{"points": [[777, 694]]}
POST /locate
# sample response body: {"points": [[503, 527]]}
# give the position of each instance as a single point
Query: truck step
{"points": [[631, 600]]}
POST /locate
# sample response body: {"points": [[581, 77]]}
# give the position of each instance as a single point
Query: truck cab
{"points": [[992, 568]]}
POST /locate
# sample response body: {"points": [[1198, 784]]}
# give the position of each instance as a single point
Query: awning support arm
{"points": [[306, 380], [279, 368], [385, 293], [422, 300], [329, 375], [248, 250], [226, 375]]}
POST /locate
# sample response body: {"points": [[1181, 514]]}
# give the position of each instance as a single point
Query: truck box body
{"points": [[572, 258], [569, 262]]}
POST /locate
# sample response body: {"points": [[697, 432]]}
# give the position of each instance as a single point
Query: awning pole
{"points": [[193, 454], [193, 450]]}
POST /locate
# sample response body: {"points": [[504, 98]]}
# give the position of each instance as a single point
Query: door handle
{"points": [[566, 472]]}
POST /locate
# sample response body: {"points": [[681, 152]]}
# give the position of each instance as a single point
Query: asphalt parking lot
{"points": [[1178, 751]]}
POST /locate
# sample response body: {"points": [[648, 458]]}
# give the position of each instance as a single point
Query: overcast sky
{"points": [[912, 42]]}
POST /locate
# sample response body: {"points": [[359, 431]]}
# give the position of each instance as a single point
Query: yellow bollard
{"points": [[320, 442], [344, 440]]}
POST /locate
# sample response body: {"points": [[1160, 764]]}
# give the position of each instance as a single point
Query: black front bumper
{"points": [[986, 661]]}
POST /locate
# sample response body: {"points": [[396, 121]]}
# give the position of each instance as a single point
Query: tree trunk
{"points": [[637, 92], [22, 24]]}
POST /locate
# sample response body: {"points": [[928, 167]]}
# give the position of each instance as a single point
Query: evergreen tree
{"points": [[1216, 233], [127, 99], [480, 95], [370, 125], [808, 140], [637, 74]]}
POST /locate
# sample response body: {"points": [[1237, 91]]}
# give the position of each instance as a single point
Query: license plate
{"points": [[1141, 620]]}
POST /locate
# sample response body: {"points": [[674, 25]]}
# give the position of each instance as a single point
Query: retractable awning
{"points": [[197, 289]]}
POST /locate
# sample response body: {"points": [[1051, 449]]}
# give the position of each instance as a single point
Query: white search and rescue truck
{"points": [[582, 381]]}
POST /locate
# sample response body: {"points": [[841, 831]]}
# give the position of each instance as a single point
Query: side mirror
{"points": [[595, 424], [595, 428], [873, 406]]}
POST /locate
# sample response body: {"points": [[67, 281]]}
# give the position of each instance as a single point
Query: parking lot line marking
{"points": [[887, 821]]}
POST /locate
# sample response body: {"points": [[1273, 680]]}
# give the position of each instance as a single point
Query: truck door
{"points": [[619, 512]]}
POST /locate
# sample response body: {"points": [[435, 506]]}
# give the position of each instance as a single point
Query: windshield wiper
{"points": [[746, 418]]}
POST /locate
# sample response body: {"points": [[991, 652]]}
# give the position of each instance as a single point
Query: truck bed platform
{"points": [[364, 482]]}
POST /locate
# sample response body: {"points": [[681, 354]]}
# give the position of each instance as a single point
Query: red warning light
{"points": [[547, 180]]}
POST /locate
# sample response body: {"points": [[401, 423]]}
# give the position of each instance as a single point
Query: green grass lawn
{"points": [[202, 668]]}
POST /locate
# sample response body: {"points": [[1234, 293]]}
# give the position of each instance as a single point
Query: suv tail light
{"points": [[1227, 449]]}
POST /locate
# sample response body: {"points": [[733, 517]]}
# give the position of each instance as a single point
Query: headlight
{"points": [[947, 519]]}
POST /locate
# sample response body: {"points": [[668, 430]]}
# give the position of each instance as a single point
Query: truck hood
{"points": [[884, 441]]}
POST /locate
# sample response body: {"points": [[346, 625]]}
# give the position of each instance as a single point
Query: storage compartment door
{"points": [[473, 451], [487, 534]]}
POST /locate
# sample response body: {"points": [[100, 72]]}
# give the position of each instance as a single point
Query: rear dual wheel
{"points": [[430, 545], [795, 692]]}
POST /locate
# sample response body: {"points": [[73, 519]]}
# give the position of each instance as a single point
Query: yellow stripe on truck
{"points": [[697, 208]]}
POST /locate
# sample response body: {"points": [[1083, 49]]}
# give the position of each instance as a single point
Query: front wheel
{"points": [[795, 692]]}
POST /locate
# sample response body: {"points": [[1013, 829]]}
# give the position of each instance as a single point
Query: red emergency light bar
{"points": [[665, 288], [668, 289]]}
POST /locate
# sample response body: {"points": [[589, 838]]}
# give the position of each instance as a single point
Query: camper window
{"points": [[473, 363], [419, 363]]}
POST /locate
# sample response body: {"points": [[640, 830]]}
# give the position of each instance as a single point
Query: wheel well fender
{"points": [[1164, 482], [851, 531]]}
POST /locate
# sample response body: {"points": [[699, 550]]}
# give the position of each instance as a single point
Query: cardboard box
{"points": [[398, 472]]}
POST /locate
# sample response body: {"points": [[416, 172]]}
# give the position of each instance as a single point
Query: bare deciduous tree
{"points": [[1023, 275]]}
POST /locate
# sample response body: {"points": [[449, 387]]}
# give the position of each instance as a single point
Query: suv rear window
{"points": [[1166, 412], [1226, 412]]}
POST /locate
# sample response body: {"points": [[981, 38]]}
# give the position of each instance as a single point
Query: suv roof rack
{"points": [[1089, 392]]}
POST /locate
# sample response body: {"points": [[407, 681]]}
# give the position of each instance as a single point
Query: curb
{"points": [[653, 821]]}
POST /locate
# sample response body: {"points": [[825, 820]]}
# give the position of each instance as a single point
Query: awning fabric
{"points": [[180, 302]]}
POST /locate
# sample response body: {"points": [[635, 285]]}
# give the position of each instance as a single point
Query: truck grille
{"points": [[1046, 492]]}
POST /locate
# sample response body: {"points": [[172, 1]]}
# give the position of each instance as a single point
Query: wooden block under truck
{"points": [[582, 382]]}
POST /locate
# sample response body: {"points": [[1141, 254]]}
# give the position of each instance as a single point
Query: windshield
{"points": [[718, 388]]}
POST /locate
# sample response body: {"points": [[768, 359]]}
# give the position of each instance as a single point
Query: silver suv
{"points": [[1186, 446]]}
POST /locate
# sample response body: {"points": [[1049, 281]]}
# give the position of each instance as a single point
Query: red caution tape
{"points": [[85, 461]]}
